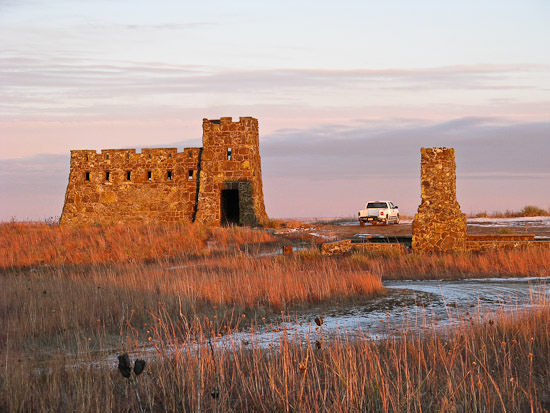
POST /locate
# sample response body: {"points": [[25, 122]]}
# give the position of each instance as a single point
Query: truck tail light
{"points": [[381, 213]]}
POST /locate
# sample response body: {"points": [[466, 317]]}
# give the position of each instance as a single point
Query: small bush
{"points": [[533, 211]]}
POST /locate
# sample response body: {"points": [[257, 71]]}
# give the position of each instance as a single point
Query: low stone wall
{"points": [[345, 246], [381, 248], [336, 247], [493, 245], [500, 237]]}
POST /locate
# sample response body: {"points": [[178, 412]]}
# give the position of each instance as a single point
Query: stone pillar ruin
{"points": [[439, 225]]}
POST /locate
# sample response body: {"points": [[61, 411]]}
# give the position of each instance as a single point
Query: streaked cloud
{"points": [[65, 86]]}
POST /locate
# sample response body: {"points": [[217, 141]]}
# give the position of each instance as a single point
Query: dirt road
{"points": [[540, 226]]}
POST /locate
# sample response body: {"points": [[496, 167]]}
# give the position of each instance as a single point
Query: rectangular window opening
{"points": [[190, 176], [169, 155], [149, 156], [169, 175], [107, 176], [87, 176], [107, 156], [129, 176], [149, 175], [228, 154], [127, 156]]}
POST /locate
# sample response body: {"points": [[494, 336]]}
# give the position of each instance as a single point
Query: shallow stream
{"points": [[408, 305], [413, 305]]}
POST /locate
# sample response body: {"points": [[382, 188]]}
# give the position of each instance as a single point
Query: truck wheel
{"points": [[362, 223], [397, 219]]}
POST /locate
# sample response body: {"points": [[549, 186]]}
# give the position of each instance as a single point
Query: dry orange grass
{"points": [[31, 244], [236, 236], [496, 363], [503, 263], [43, 307]]}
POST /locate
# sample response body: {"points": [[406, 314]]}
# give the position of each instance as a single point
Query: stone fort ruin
{"points": [[218, 184]]}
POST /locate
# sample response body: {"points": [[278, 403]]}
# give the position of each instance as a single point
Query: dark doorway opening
{"points": [[230, 206]]}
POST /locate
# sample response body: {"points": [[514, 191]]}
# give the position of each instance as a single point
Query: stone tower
{"points": [[220, 183], [230, 181], [439, 225]]}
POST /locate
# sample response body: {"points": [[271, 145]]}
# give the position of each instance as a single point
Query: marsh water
{"points": [[422, 306], [409, 305]]}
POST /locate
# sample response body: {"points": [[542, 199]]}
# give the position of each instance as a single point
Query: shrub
{"points": [[532, 211]]}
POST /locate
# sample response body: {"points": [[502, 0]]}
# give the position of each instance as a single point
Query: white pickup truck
{"points": [[379, 211]]}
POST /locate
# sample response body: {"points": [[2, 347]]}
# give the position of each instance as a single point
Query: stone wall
{"points": [[231, 161], [500, 237], [378, 248], [339, 247], [439, 225], [343, 247], [493, 245], [121, 185], [163, 185]]}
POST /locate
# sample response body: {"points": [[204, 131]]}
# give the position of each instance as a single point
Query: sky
{"points": [[346, 94]]}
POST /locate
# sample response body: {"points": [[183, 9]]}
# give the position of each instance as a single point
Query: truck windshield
{"points": [[377, 205]]}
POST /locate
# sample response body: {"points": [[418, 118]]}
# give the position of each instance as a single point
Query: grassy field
{"points": [[69, 298], [35, 244], [498, 363], [499, 263]]}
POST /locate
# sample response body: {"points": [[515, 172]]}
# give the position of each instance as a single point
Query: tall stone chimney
{"points": [[439, 225]]}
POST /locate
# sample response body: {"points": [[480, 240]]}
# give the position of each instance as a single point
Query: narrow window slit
{"points": [[228, 154], [149, 175], [169, 175], [87, 176], [107, 176], [190, 177], [128, 175]]}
